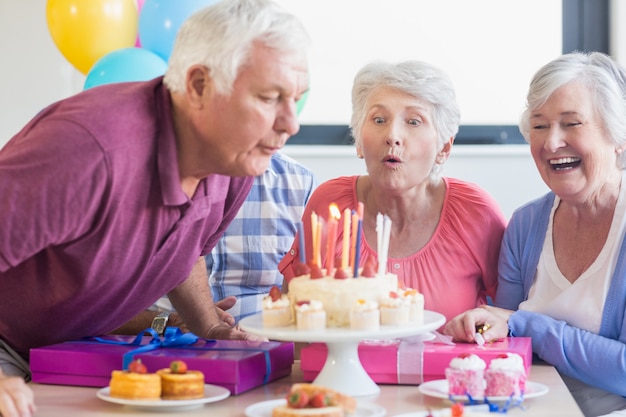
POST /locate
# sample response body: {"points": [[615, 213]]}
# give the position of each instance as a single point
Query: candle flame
{"points": [[334, 211]]}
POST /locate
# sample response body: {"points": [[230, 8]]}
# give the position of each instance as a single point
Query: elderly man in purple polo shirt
{"points": [[112, 197]]}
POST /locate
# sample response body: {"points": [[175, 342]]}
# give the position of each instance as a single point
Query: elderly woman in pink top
{"points": [[445, 233]]}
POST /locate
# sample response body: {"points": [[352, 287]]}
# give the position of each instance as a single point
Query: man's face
{"points": [[242, 130]]}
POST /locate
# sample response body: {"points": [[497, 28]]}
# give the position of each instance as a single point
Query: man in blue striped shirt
{"points": [[244, 263]]}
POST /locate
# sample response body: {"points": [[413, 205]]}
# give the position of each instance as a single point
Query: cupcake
{"points": [[364, 315], [394, 310], [416, 305], [310, 315], [506, 376], [276, 309], [465, 376]]}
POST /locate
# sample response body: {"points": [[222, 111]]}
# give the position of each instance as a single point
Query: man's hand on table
{"points": [[226, 329]]}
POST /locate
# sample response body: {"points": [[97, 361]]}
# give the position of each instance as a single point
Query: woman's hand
{"points": [[16, 398], [493, 320]]}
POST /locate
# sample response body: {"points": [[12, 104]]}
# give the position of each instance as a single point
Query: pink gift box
{"points": [[233, 364], [406, 363]]}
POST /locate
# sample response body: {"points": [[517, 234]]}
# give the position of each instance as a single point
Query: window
{"points": [[490, 48]]}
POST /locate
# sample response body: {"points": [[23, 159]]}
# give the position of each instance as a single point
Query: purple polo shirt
{"points": [[94, 225]]}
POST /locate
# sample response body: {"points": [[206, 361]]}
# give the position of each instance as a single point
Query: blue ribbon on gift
{"points": [[175, 338]]}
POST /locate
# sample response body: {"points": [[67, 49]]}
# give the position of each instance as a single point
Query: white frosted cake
{"points": [[338, 295]]}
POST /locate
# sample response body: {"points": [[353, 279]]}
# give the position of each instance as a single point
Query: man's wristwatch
{"points": [[159, 322]]}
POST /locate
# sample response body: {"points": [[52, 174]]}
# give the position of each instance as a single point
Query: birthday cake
{"points": [[339, 295], [351, 284]]}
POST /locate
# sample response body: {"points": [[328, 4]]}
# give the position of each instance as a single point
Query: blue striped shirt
{"points": [[245, 261]]}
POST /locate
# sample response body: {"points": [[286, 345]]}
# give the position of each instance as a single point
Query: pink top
{"points": [[455, 271]]}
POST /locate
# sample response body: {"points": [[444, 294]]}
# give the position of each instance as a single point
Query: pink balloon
{"points": [[139, 6]]}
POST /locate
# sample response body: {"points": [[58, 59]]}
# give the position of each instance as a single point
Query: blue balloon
{"points": [[159, 21], [126, 64]]}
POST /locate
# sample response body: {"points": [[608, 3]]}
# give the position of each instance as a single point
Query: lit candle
{"points": [[333, 217], [345, 252], [302, 248]]}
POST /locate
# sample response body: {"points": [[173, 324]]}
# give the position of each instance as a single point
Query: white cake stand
{"points": [[343, 370]]}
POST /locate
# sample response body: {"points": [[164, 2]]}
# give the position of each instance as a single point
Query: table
{"points": [[63, 401]]}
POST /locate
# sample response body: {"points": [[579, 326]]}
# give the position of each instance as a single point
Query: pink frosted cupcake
{"points": [[465, 376], [506, 376]]}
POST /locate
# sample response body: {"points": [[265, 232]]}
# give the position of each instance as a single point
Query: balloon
{"points": [[86, 30], [139, 6], [300, 103], [127, 64], [160, 20]]}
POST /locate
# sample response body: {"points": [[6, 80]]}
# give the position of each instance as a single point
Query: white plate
{"points": [[439, 389], [212, 393], [264, 409]]}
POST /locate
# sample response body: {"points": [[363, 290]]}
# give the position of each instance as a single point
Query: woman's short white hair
{"points": [[604, 77], [221, 36], [421, 80]]}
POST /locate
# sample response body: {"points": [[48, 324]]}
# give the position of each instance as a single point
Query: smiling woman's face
{"points": [[399, 139], [570, 146]]}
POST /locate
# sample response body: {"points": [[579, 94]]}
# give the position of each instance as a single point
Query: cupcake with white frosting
{"points": [[465, 376], [416, 305], [364, 315], [276, 309], [310, 315], [506, 376], [394, 310]]}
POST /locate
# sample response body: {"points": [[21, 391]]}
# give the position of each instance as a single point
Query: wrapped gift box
{"points": [[233, 364], [406, 362]]}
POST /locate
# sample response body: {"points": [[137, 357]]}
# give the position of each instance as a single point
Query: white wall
{"points": [[33, 73]]}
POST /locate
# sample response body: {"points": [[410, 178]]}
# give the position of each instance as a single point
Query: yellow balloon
{"points": [[86, 30]]}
